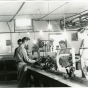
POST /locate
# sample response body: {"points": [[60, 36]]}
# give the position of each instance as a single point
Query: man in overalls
{"points": [[22, 63], [66, 61]]}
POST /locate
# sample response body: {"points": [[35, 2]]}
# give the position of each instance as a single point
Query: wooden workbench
{"points": [[52, 80]]}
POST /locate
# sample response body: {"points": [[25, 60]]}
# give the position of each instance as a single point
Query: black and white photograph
{"points": [[43, 43]]}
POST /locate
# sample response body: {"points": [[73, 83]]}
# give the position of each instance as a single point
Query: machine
{"points": [[49, 60]]}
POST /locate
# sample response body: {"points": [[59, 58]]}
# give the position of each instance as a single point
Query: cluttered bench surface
{"points": [[56, 80]]}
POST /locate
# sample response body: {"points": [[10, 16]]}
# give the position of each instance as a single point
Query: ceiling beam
{"points": [[45, 14], [37, 32], [18, 11], [37, 14]]}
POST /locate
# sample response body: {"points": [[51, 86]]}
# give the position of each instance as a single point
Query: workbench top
{"points": [[58, 78]]}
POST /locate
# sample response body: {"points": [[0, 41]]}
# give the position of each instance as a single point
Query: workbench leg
{"points": [[45, 85], [28, 79], [36, 82]]}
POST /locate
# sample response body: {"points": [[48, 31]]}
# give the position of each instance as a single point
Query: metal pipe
{"points": [[18, 11], [75, 14], [10, 35], [53, 11]]}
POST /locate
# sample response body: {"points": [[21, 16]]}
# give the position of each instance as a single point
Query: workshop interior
{"points": [[44, 43]]}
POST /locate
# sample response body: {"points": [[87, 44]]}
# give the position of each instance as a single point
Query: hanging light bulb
{"points": [[49, 26], [64, 34], [84, 35], [34, 41], [41, 32], [19, 33], [27, 32]]}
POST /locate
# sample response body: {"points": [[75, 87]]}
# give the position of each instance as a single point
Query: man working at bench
{"points": [[22, 64], [65, 61]]}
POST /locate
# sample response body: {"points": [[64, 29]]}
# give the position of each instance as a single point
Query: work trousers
{"points": [[24, 76]]}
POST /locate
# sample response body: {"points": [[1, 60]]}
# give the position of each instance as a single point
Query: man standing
{"points": [[23, 60]]}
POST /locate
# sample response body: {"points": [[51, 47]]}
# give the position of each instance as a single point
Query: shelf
{"points": [[14, 72], [11, 76], [8, 69], [2, 77], [2, 73]]}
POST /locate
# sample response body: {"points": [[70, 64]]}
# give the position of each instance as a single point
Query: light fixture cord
{"points": [[48, 13], [33, 27], [40, 16], [53, 11], [48, 9], [64, 17], [39, 12]]}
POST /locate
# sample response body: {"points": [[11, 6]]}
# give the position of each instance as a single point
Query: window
{"points": [[23, 25]]}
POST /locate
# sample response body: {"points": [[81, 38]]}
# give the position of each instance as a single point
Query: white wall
{"points": [[75, 44], [4, 27], [5, 36], [3, 47], [70, 43]]}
